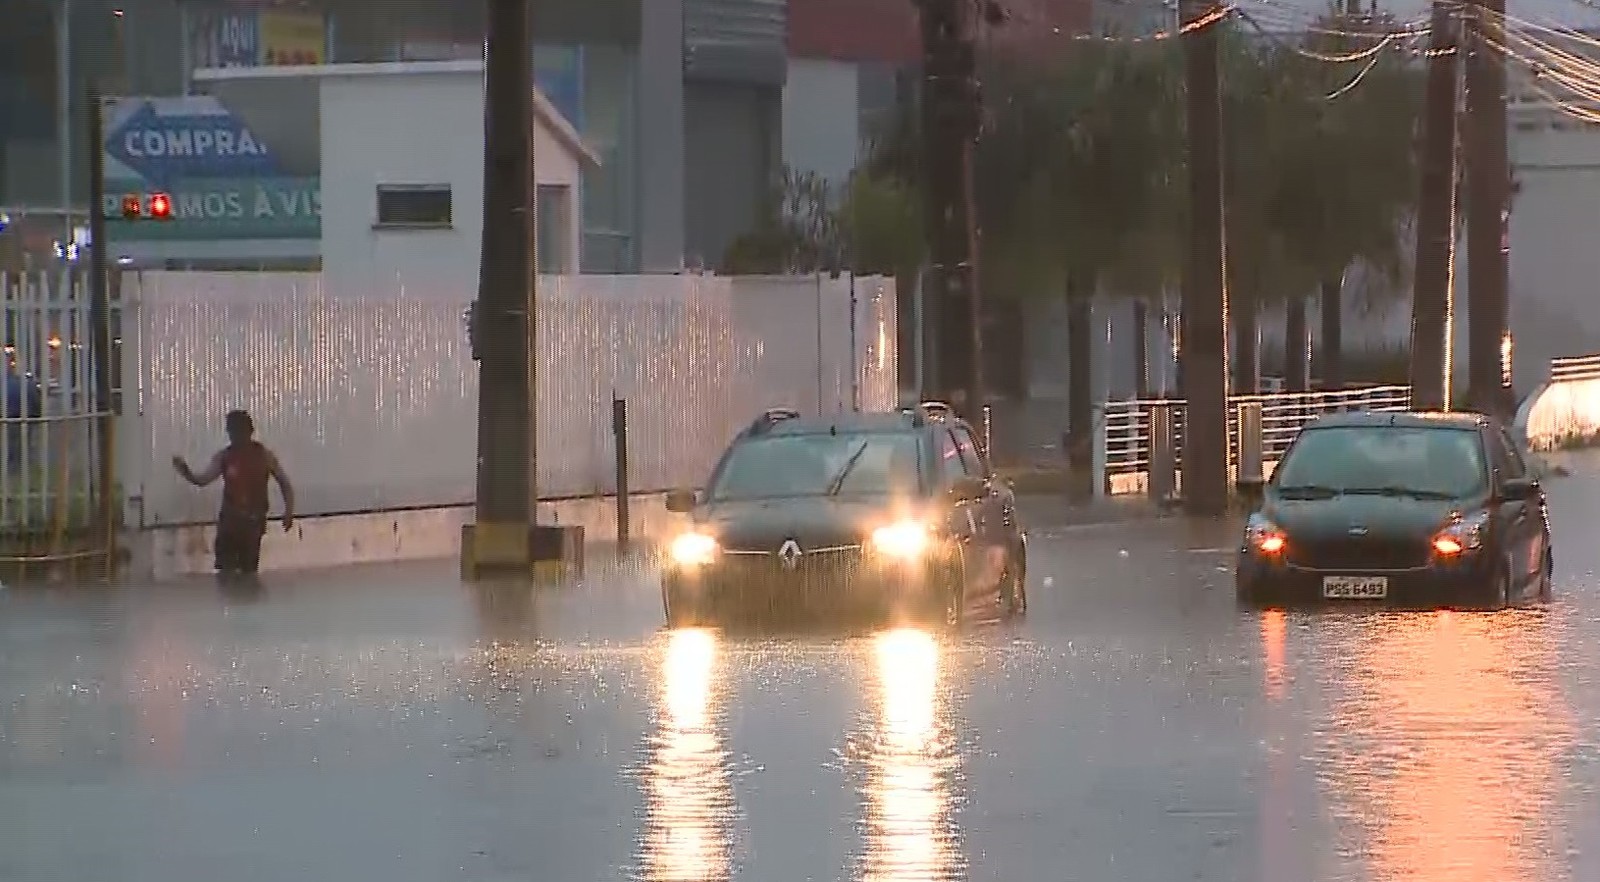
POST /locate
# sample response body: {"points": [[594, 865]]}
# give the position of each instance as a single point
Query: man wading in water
{"points": [[244, 466]]}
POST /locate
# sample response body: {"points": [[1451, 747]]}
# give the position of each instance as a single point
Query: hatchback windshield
{"points": [[818, 465], [1400, 459]]}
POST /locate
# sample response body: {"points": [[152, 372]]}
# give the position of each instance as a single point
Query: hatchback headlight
{"points": [[905, 539], [1263, 536], [693, 549], [1461, 535]]}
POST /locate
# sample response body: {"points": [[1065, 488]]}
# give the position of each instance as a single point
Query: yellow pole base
{"points": [[500, 549]]}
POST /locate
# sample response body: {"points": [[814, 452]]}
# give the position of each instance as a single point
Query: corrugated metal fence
{"points": [[370, 398]]}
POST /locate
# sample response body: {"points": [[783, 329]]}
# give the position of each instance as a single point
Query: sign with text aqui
{"points": [[223, 179]]}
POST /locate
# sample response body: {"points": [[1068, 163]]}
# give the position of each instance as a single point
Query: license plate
{"points": [[1355, 587]]}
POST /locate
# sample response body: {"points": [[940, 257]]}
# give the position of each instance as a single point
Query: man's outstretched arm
{"points": [[211, 473], [286, 488]]}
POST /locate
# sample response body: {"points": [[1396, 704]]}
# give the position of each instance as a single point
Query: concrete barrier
{"points": [[384, 536]]}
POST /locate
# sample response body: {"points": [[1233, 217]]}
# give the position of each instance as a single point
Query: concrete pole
{"points": [[950, 119], [1430, 298], [1204, 372], [1488, 183], [499, 541]]}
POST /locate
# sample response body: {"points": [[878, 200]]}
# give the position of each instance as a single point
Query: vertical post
{"points": [[1488, 182], [1141, 349], [500, 537], [1161, 477], [817, 302], [619, 434], [950, 115], [1330, 372], [100, 325], [1250, 441], [1430, 305], [1296, 346], [1204, 371], [855, 360], [64, 122]]}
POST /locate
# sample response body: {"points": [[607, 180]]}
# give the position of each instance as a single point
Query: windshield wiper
{"points": [[1308, 491], [1395, 490], [837, 483]]}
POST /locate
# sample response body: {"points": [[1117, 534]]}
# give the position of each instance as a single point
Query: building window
{"points": [[553, 209], [414, 206]]}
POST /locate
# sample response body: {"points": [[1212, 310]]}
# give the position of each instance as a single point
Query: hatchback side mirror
{"points": [[681, 501], [969, 489], [1519, 489]]}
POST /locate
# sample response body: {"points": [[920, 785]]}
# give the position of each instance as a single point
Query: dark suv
{"points": [[896, 514]]}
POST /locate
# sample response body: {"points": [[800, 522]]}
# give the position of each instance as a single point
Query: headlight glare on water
{"points": [[906, 539], [693, 549]]}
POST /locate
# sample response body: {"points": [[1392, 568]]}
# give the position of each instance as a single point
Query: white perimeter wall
{"points": [[369, 395]]}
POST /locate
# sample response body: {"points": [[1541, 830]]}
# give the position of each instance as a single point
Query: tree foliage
{"points": [[871, 225]]}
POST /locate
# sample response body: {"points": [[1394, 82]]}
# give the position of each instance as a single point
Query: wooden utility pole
{"points": [[1488, 183], [503, 317], [1205, 294], [1431, 310], [950, 122]]}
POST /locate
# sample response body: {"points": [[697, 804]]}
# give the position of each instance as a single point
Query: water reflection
{"points": [[687, 790], [1278, 849], [911, 761], [1447, 752]]}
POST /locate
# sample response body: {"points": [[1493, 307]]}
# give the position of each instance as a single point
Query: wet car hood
{"points": [[1398, 517], [811, 521]]}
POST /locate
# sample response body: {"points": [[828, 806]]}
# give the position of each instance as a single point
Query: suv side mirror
{"points": [[681, 501], [969, 489], [1519, 489]]}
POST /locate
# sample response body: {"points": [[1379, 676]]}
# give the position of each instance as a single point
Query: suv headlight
{"points": [[1263, 536], [905, 539], [1461, 535], [693, 549]]}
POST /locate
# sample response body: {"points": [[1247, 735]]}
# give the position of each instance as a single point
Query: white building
{"points": [[401, 158]]}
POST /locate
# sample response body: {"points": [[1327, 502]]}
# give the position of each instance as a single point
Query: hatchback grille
{"points": [[1359, 553]]}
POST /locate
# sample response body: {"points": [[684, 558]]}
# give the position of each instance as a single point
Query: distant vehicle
{"points": [[894, 514], [1431, 509]]}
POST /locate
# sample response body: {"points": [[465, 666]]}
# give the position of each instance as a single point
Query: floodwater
{"points": [[392, 724]]}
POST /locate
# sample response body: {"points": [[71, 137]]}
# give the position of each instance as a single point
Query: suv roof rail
{"points": [[769, 418], [937, 410]]}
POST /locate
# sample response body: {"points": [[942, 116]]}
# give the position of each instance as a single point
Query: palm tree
{"points": [[1347, 180], [1094, 205]]}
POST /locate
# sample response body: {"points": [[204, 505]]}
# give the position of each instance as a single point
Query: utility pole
{"points": [[1488, 182], [1205, 294], [1431, 310], [100, 349], [503, 316], [950, 121]]}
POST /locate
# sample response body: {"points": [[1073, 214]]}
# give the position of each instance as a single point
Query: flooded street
{"points": [[391, 724]]}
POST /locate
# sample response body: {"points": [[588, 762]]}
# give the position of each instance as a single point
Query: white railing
{"points": [[1125, 427], [49, 426], [1566, 409]]}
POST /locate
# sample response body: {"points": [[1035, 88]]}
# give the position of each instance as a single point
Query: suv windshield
{"points": [[818, 465], [1424, 461]]}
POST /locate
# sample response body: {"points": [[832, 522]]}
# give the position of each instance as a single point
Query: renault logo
{"points": [[789, 552]]}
